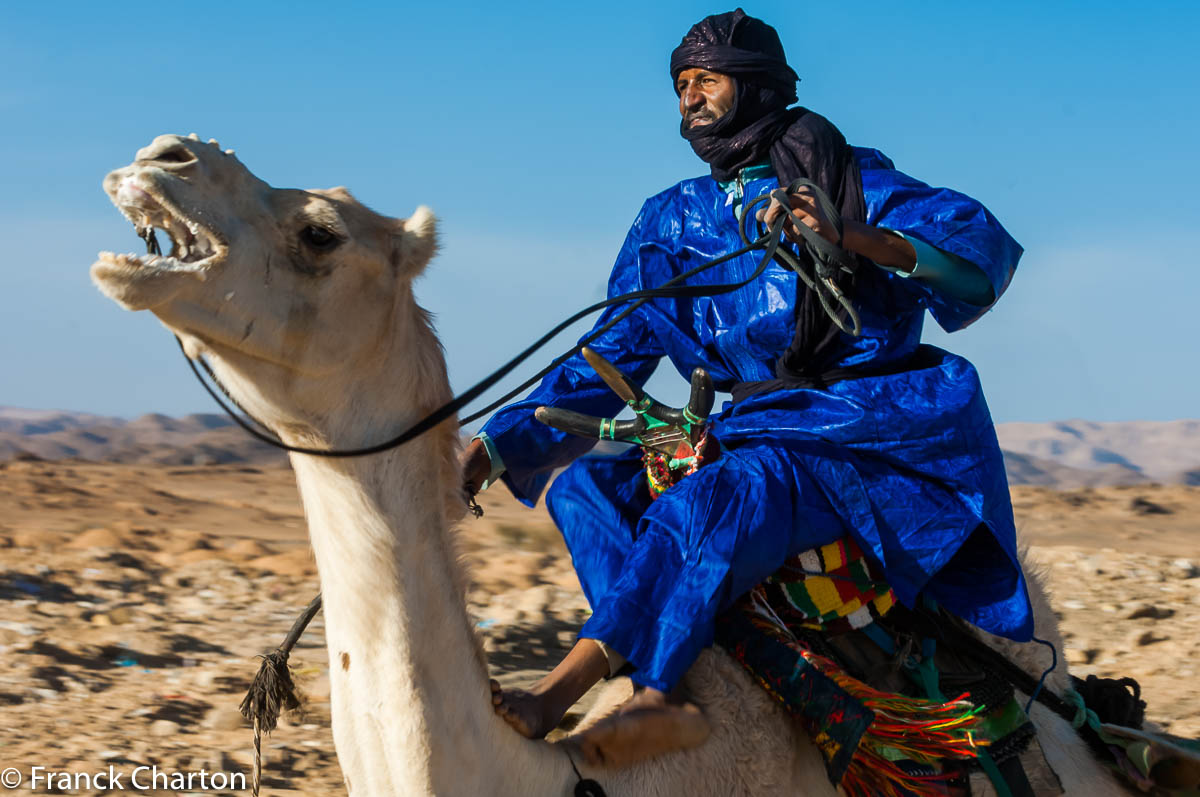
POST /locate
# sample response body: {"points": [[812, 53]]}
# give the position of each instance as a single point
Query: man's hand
{"points": [[476, 465], [883, 247], [805, 208]]}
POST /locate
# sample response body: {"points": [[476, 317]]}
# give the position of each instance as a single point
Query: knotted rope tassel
{"points": [[272, 690]]}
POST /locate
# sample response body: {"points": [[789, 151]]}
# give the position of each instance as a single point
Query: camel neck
{"points": [[411, 706]]}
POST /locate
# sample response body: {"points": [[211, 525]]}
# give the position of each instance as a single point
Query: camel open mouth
{"points": [[194, 247]]}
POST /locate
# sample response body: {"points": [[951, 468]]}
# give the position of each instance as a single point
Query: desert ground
{"points": [[135, 599]]}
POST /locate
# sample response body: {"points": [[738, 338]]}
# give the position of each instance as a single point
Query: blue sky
{"points": [[536, 133]]}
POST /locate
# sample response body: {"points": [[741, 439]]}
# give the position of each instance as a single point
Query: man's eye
{"points": [[319, 238]]}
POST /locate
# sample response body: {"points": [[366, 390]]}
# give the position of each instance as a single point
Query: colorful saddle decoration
{"points": [[672, 440], [832, 588], [874, 742]]}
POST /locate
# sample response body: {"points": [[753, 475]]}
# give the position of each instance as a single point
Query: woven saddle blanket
{"points": [[794, 634], [891, 713]]}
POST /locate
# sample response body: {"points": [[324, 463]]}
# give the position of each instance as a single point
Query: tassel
{"points": [[272, 689], [271, 692]]}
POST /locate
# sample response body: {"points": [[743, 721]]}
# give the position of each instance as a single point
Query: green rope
{"points": [[1082, 712], [994, 775], [927, 675], [1084, 715]]}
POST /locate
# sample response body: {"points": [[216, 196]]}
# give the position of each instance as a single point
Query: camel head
{"points": [[284, 284]]}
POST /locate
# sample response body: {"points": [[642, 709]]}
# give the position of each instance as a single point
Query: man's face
{"points": [[704, 96]]}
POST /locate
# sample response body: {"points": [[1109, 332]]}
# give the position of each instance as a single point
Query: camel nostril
{"points": [[177, 154]]}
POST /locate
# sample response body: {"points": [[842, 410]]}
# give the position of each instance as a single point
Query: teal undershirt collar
{"points": [[755, 171], [736, 187]]}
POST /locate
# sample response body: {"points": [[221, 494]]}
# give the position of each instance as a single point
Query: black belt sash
{"points": [[922, 357]]}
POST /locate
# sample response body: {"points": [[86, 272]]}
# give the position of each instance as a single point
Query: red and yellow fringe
{"points": [[920, 730]]}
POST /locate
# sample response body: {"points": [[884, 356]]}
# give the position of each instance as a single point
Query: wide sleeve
{"points": [[947, 220], [531, 450]]}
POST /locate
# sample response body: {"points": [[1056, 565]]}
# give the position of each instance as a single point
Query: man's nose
{"points": [[693, 98]]}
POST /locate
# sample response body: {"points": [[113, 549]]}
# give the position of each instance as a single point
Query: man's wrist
{"points": [[497, 464]]}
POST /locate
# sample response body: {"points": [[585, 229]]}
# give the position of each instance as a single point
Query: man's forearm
{"points": [[949, 274], [881, 246]]}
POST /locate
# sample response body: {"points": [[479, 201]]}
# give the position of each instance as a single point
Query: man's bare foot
{"points": [[647, 725], [530, 712], [536, 711]]}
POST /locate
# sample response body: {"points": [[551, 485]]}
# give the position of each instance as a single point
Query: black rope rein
{"points": [[826, 259]]}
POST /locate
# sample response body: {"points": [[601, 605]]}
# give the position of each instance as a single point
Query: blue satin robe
{"points": [[908, 464]]}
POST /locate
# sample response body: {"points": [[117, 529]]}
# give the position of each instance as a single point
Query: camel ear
{"points": [[415, 243]]}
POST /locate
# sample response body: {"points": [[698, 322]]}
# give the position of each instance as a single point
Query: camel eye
{"points": [[319, 238]]}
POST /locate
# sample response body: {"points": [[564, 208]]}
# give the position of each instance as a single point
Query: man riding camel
{"points": [[829, 435]]}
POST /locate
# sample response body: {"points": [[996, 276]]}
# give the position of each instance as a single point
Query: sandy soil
{"points": [[134, 600]]}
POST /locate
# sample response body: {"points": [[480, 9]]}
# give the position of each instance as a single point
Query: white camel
{"points": [[303, 302]]}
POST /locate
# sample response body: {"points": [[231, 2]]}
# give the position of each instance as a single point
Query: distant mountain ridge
{"points": [[1105, 453], [197, 439], [1064, 454]]}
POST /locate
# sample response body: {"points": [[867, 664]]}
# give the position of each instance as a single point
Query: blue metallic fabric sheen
{"points": [[906, 463]]}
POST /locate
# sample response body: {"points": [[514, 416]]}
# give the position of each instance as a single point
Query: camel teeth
{"points": [[213, 141], [228, 152], [193, 137]]}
